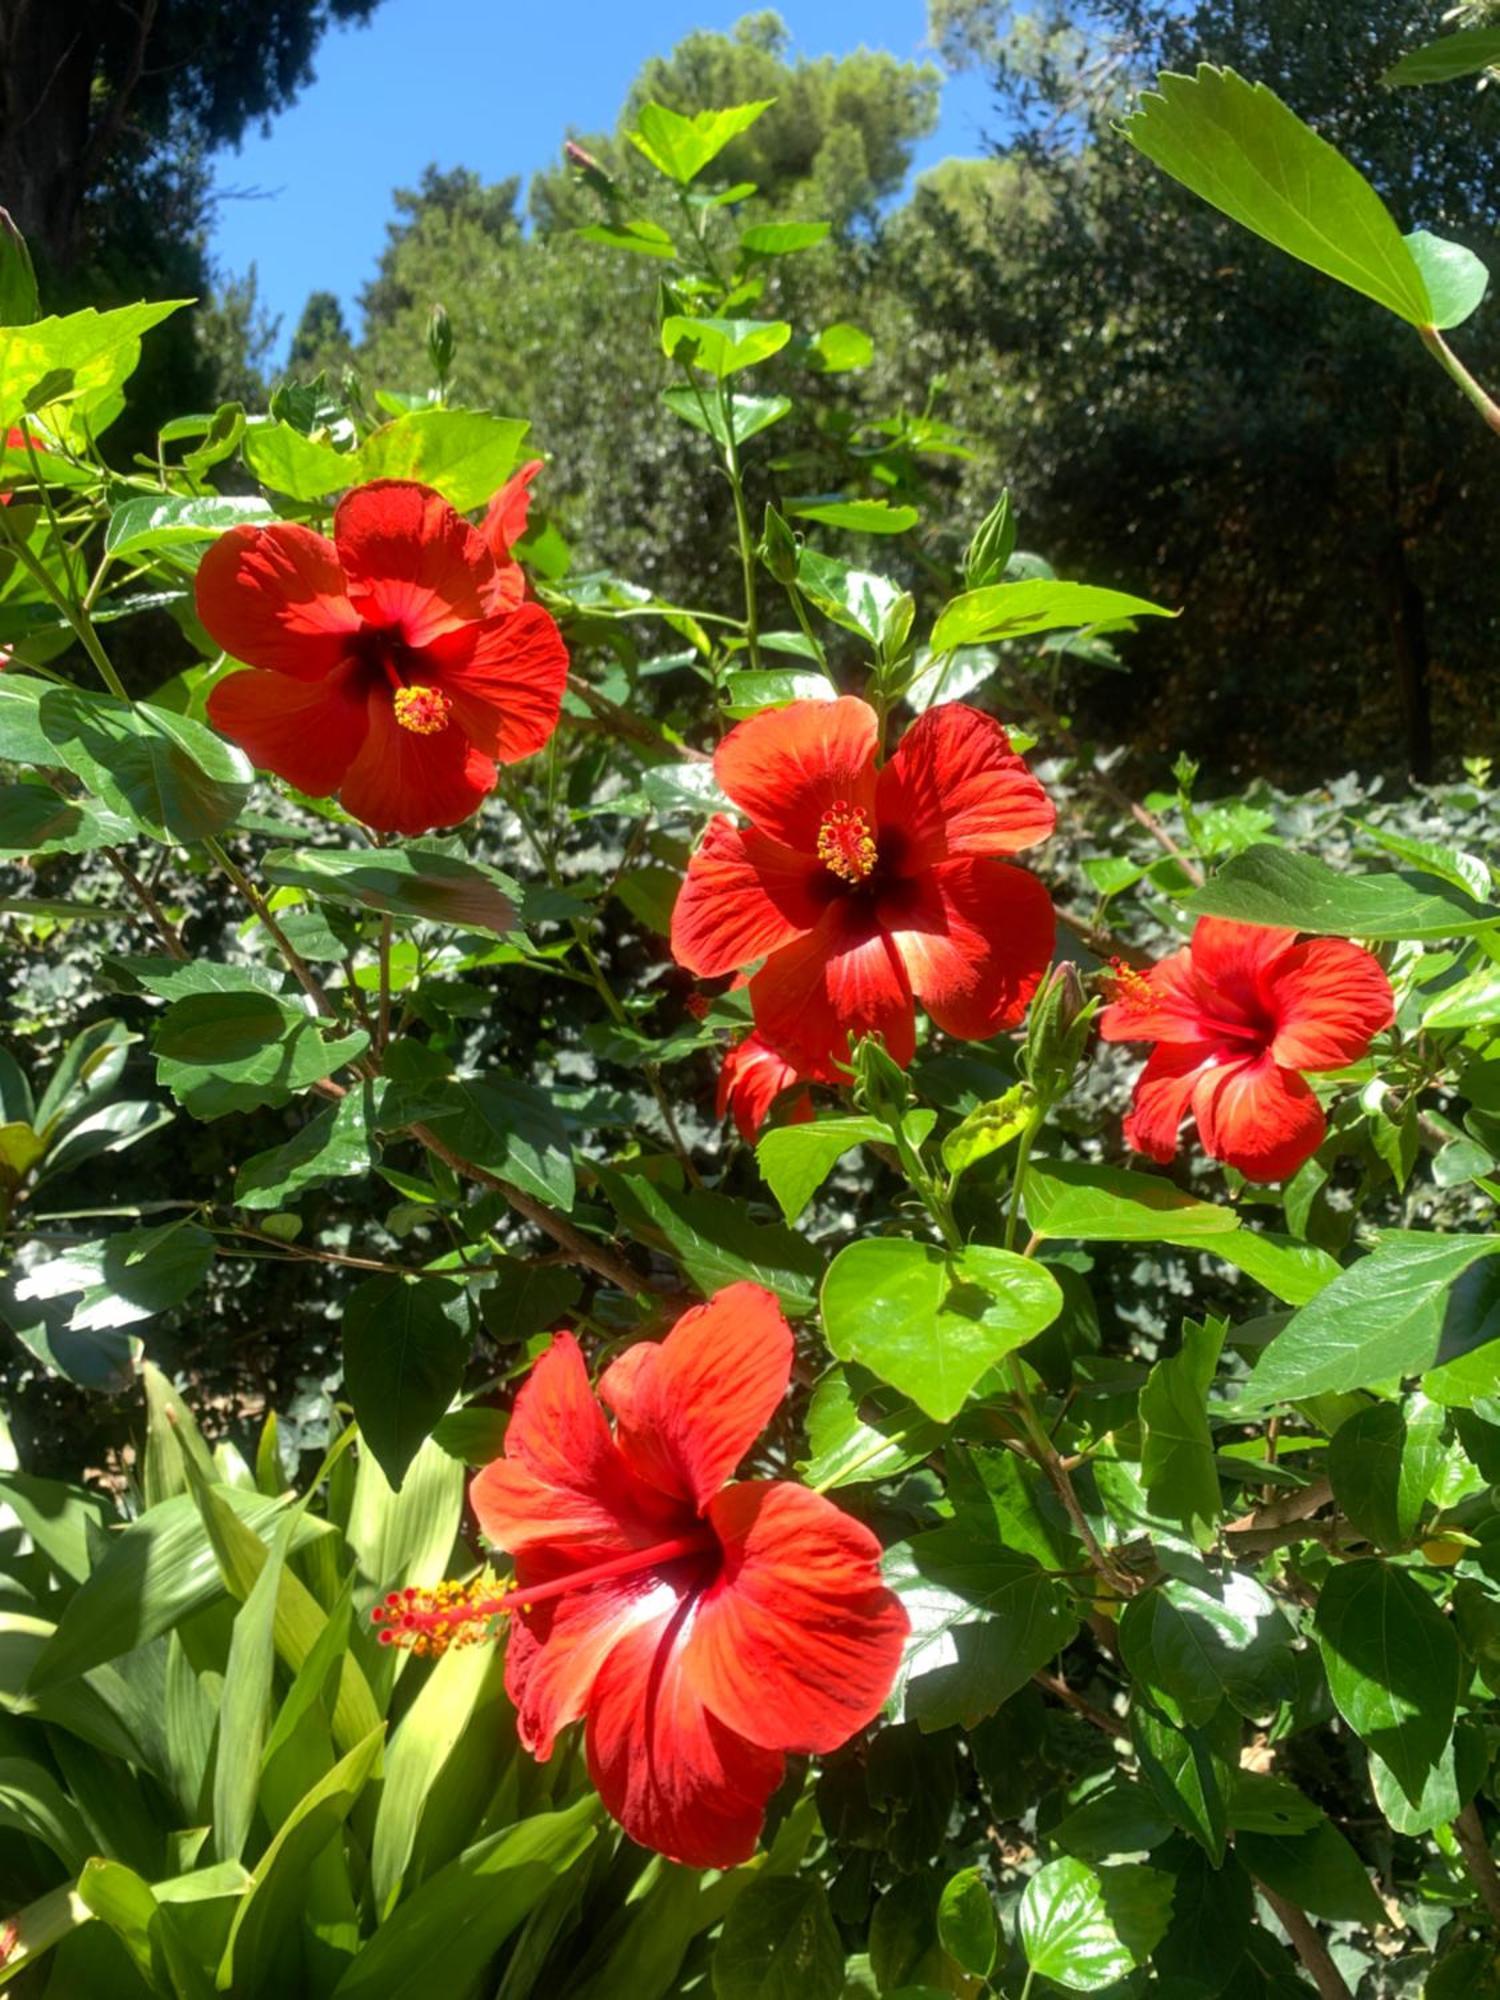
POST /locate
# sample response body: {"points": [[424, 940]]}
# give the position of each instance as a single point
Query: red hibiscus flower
{"points": [[503, 526], [861, 887], [751, 1079], [701, 1629], [384, 668], [1236, 1016]]}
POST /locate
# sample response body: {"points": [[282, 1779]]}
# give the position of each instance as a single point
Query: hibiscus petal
{"points": [[751, 1078], [553, 1654], [744, 896], [308, 732], [1258, 1117], [955, 786], [797, 1644], [843, 980], [672, 1774], [410, 559], [1330, 1000], [976, 939], [504, 520], [688, 1408], [786, 766], [406, 782], [1233, 963], [276, 598], [505, 678], [1163, 1093], [562, 1487], [1162, 1004]]}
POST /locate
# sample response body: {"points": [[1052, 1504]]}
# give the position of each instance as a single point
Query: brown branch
{"points": [[579, 1249], [1056, 1686], [105, 135], [165, 929], [1308, 1946], [1282, 1521], [620, 722], [1468, 1830]]}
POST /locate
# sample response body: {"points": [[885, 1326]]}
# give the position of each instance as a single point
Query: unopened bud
{"points": [[992, 546], [1057, 1032], [590, 169], [440, 341], [879, 1082], [778, 547]]}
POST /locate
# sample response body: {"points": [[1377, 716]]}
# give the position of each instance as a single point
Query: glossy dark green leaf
{"points": [[223, 1052], [504, 1125], [865, 1432], [527, 1299], [153, 521], [1086, 1928], [1383, 1465], [1177, 1449], [1318, 1871], [983, 1620], [170, 777], [968, 1929], [1071, 1199], [1194, 1644], [718, 1240], [1188, 1774], [779, 1943], [128, 1276], [409, 881], [1392, 1662], [1382, 1317], [1273, 885], [333, 1145], [35, 819], [406, 1341]]}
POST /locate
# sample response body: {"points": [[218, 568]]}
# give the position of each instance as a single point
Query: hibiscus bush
{"points": [[879, 1361]]}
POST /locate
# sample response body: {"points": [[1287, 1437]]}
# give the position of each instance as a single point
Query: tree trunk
{"points": [[1406, 615], [48, 50]]}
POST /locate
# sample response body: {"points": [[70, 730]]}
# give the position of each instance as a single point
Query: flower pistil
{"points": [[846, 842]]}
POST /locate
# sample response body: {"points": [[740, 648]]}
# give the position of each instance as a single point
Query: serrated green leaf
{"points": [[795, 1160], [1392, 1662], [682, 147], [1272, 885], [1002, 611], [406, 1342]]}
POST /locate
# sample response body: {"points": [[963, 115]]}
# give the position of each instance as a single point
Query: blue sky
{"points": [[492, 85]]}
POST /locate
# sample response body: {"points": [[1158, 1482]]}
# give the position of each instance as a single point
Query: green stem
{"points": [[77, 619], [1449, 362], [1018, 1178], [742, 527]]}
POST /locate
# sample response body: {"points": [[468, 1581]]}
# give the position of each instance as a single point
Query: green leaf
{"points": [[129, 1276], [1066, 1198], [1037, 604], [859, 517], [1451, 1783], [1177, 1447], [408, 881], [987, 1129], [1392, 1662], [288, 462], [797, 1159], [779, 1942], [1085, 1928], [1239, 148], [35, 819], [508, 1127], [18, 294], [635, 233], [406, 1342], [172, 778], [968, 1929], [273, 1904], [857, 599], [1187, 1774], [748, 414], [983, 1620], [164, 521], [223, 1052], [443, 1935], [1195, 1644], [1382, 1317], [1272, 885], [1382, 1469], [1465, 52], [722, 347], [1455, 278], [858, 1434], [1318, 1871], [245, 1702], [717, 1240], [840, 349], [33, 1803], [1471, 1002], [152, 1574], [22, 739], [526, 1299], [781, 239], [332, 1146], [466, 455], [682, 147], [933, 1325], [66, 369], [1120, 1818]]}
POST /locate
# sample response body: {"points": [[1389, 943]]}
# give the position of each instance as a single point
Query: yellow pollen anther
{"points": [[1129, 987], [846, 842], [428, 1622], [422, 710]]}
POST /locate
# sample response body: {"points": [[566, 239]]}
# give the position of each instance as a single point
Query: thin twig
{"points": [[165, 929], [1468, 1830], [1308, 1946]]}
